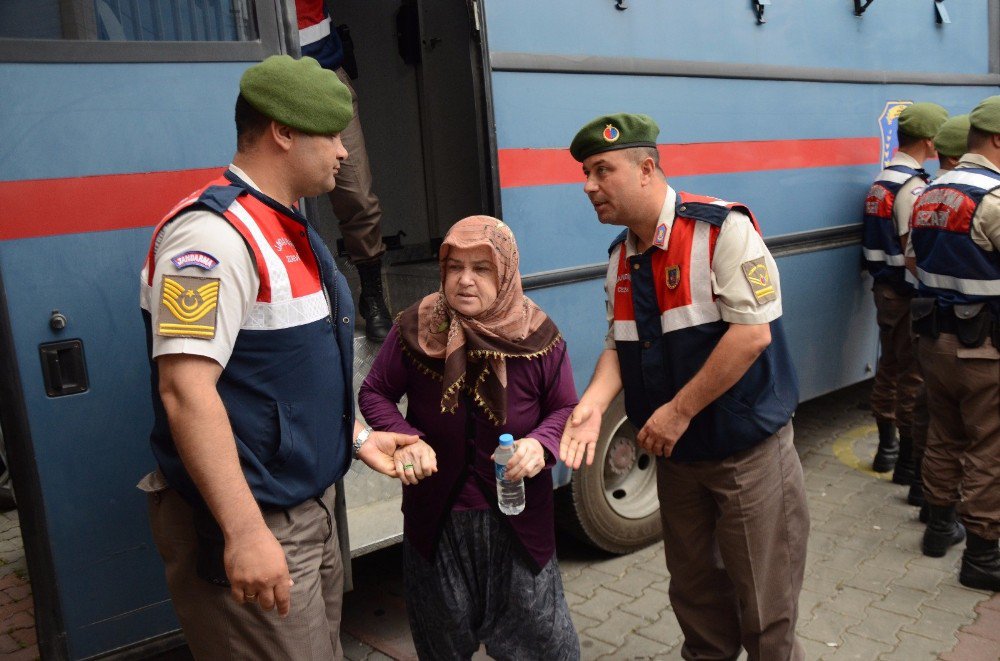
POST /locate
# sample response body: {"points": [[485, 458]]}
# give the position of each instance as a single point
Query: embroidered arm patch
{"points": [[756, 274], [188, 307]]}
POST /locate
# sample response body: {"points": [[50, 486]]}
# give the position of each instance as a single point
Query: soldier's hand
{"points": [[660, 433], [377, 451], [579, 438], [257, 571]]}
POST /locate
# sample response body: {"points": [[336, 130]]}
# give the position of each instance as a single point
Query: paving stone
{"points": [[27, 654], [958, 599], [827, 625], [987, 625], [881, 626], [973, 648], [638, 647], [937, 624], [850, 601], [586, 583], [8, 644], [922, 578], [993, 603], [592, 648], [872, 578], [634, 582], [603, 602], [914, 648], [813, 650], [666, 630], [844, 559], [651, 606], [616, 627], [617, 566], [856, 647], [904, 601], [581, 622], [354, 649], [821, 578]]}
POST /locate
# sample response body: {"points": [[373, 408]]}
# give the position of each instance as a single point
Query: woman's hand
{"points": [[377, 452], [415, 462], [528, 459]]}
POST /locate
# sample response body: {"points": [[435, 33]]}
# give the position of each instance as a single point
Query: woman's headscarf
{"points": [[474, 350]]}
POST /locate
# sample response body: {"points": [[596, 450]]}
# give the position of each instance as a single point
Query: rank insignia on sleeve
{"points": [[195, 258], [760, 281], [188, 307], [673, 276]]}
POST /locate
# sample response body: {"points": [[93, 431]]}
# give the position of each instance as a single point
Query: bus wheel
{"points": [[614, 499]]}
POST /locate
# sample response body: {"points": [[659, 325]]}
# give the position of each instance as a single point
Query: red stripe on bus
{"points": [[46, 207], [546, 167]]}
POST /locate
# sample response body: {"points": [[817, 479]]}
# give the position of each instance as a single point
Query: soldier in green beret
{"points": [[955, 232], [250, 333], [886, 220], [696, 345], [951, 141]]}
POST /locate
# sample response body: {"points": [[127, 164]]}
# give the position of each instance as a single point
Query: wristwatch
{"points": [[360, 440]]}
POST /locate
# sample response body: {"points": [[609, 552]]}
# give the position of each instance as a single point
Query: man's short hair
{"points": [[639, 154], [250, 124], [906, 140], [978, 138]]}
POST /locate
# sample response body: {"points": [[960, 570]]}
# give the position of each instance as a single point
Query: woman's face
{"points": [[470, 280]]}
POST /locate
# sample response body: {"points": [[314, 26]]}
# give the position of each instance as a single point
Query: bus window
{"points": [[129, 20]]}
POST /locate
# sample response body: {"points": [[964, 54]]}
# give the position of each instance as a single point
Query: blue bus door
{"points": [[110, 112]]}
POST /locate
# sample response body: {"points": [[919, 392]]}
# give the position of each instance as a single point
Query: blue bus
{"points": [[111, 110]]}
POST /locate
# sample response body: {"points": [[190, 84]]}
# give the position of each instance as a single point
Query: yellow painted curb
{"points": [[843, 449]]}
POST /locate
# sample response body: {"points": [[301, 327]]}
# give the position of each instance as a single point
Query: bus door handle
{"points": [[64, 368]]}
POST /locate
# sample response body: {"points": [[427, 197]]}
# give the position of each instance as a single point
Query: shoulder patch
{"points": [[756, 274], [188, 307], [218, 198], [197, 258]]}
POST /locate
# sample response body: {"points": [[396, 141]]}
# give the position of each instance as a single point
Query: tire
{"points": [[614, 499]]}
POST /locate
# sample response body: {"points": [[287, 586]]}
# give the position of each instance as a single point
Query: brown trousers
{"points": [[735, 534], [897, 378], [358, 209], [962, 460], [219, 629]]}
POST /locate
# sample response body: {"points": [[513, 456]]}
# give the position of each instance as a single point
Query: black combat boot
{"points": [[943, 531], [903, 473], [371, 303], [888, 448], [980, 564], [915, 496]]}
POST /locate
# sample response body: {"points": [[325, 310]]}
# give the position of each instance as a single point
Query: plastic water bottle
{"points": [[510, 495]]}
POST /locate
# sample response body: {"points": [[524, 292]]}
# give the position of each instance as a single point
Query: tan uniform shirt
{"points": [[902, 206], [738, 242], [236, 271]]}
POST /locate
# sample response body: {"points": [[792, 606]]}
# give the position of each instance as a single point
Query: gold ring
{"points": [[405, 466], [250, 596]]}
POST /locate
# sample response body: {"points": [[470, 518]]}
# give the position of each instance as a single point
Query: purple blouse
{"points": [[540, 397]]}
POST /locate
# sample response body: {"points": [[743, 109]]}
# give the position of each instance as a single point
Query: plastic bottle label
{"points": [[501, 470]]}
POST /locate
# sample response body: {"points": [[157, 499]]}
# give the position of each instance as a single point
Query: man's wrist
{"points": [[360, 439]]}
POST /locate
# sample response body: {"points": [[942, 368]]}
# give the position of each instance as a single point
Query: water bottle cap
{"points": [[506, 440]]}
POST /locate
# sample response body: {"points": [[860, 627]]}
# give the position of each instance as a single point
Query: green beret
{"points": [[952, 138], [922, 120], [986, 116], [298, 93], [609, 132]]}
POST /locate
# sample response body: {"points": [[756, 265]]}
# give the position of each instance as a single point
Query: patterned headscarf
{"points": [[470, 352]]}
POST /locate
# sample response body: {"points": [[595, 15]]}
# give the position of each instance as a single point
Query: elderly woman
{"points": [[476, 360]]}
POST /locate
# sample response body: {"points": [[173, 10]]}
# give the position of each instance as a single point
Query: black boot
{"points": [[371, 303], [943, 531], [925, 513], [888, 448], [903, 473], [980, 564], [915, 496]]}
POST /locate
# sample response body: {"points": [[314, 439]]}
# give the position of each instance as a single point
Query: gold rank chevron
{"points": [[188, 305]]}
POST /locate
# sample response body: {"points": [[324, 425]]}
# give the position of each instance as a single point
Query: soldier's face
{"points": [[317, 160], [614, 181]]}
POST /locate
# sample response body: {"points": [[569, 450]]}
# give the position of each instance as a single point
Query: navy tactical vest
{"points": [[880, 241]]}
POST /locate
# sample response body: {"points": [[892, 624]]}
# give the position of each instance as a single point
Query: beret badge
{"points": [[611, 133]]}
